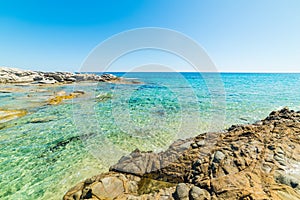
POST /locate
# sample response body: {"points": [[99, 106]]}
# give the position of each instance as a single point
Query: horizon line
{"points": [[241, 72]]}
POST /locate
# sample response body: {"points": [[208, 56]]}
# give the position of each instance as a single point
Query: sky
{"points": [[238, 35]]}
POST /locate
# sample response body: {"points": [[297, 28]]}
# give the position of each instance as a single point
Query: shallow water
{"points": [[84, 136]]}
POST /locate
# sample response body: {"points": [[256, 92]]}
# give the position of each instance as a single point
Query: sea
{"points": [[53, 147]]}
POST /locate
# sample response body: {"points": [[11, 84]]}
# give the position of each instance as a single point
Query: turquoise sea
{"points": [[52, 148]]}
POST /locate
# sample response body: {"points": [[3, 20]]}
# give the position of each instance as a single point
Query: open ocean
{"points": [[46, 152]]}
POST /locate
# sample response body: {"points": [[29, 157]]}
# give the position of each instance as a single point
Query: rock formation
{"points": [[252, 161], [13, 75]]}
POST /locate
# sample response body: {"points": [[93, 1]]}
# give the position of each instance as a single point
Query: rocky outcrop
{"points": [[252, 161], [14, 75]]}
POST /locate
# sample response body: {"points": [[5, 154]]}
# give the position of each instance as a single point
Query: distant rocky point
{"points": [[252, 161], [14, 75]]}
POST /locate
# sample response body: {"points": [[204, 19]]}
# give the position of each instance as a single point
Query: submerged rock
{"points": [[62, 95], [103, 97], [7, 115], [253, 161]]}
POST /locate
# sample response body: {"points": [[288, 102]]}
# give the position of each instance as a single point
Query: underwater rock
{"points": [[60, 96], [7, 115], [43, 120], [103, 97]]}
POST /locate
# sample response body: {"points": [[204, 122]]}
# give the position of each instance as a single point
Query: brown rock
{"points": [[258, 161]]}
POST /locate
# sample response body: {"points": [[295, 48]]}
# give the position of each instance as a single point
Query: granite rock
{"points": [[14, 75], [251, 161]]}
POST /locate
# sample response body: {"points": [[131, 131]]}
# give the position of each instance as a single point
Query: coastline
{"points": [[43, 88], [43, 113], [18, 76], [251, 161]]}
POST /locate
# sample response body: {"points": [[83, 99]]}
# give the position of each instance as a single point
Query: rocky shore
{"points": [[41, 90], [252, 161], [14, 75]]}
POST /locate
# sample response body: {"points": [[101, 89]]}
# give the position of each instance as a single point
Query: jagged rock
{"points": [[141, 163], [252, 161], [13, 75]]}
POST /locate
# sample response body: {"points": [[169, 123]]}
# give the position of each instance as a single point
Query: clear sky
{"points": [[238, 35]]}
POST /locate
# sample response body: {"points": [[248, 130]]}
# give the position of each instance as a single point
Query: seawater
{"points": [[83, 137]]}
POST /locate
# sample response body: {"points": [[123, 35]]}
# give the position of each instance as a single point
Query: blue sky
{"points": [[238, 35]]}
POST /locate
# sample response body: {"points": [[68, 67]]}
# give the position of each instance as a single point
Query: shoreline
{"points": [[146, 175], [251, 161], [13, 80]]}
